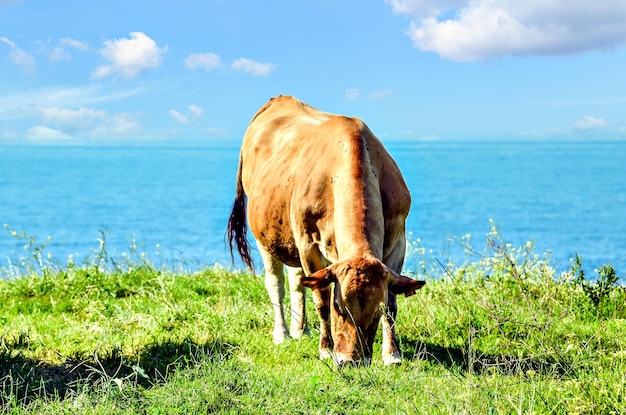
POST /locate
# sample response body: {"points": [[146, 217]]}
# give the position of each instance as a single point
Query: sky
{"points": [[95, 72]]}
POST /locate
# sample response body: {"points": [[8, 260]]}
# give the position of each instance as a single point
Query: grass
{"points": [[498, 333]]}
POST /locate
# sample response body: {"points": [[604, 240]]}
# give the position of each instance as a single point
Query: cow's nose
{"points": [[347, 363], [343, 361]]}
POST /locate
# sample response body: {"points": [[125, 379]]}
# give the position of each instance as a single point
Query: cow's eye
{"points": [[338, 301], [338, 304]]}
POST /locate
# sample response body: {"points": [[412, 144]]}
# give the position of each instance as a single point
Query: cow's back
{"points": [[292, 157]]}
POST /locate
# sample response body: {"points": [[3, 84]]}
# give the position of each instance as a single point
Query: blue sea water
{"points": [[173, 203]]}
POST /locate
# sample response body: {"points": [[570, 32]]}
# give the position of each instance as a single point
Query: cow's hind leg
{"points": [[275, 286], [297, 295]]}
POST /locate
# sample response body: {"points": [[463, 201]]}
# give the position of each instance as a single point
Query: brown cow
{"points": [[326, 200]]}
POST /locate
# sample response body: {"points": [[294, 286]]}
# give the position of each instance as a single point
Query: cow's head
{"points": [[358, 300]]}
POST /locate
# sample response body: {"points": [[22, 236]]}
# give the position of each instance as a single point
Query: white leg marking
{"points": [[391, 355], [275, 286]]}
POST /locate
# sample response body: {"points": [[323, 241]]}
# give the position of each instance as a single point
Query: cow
{"points": [[326, 200]]}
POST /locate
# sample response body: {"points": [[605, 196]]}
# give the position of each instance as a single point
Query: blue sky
{"points": [[196, 71]]}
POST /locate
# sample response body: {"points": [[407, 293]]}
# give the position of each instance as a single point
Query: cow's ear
{"points": [[319, 279], [405, 285]]}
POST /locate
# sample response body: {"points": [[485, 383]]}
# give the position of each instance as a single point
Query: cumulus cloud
{"points": [[70, 120], [121, 125], [211, 61], [41, 133], [87, 122], [590, 123], [129, 56], [181, 118], [20, 57], [196, 110], [474, 30], [425, 7], [253, 67], [207, 61]]}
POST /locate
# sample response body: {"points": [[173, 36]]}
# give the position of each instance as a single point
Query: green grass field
{"points": [[498, 333]]}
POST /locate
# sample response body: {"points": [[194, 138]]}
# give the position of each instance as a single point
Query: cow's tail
{"points": [[238, 226]]}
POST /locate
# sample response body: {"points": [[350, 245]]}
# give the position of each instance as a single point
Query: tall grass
{"points": [[497, 332]]}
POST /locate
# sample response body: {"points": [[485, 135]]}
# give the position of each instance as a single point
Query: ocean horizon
{"points": [[171, 203]]}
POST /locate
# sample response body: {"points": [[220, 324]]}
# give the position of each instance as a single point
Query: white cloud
{"points": [[590, 123], [196, 110], [90, 123], [40, 133], [122, 125], [206, 61], [74, 44], [20, 57], [211, 61], [253, 67], [60, 51], [72, 121], [26, 103], [129, 57], [420, 8], [195, 113], [352, 94], [474, 30], [59, 54], [381, 94], [181, 118]]}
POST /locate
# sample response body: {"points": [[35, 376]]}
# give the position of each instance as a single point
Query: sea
{"points": [[170, 205]]}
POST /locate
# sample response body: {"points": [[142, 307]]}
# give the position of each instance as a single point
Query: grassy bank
{"points": [[499, 333]]}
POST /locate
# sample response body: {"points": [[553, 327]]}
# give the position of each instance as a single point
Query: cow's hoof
{"points": [[296, 334], [393, 359], [326, 354], [280, 336]]}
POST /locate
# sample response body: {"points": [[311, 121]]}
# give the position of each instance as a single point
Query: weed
{"points": [[498, 332], [599, 291]]}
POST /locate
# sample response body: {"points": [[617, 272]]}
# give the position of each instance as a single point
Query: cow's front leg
{"points": [[321, 299], [275, 286], [391, 348], [297, 291]]}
